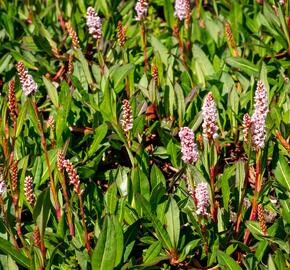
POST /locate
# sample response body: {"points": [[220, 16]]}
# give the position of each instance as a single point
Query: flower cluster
{"points": [[141, 9], [28, 190], [73, 176], [209, 114], [127, 117], [188, 146], [154, 72], [259, 117], [121, 34], [94, 23], [246, 126], [28, 84], [12, 100], [180, 9], [73, 35], [202, 198], [60, 160]]}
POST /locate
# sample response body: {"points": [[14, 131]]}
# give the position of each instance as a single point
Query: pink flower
{"points": [[28, 84], [94, 23], [209, 114], [202, 198], [141, 9], [127, 117], [28, 190], [188, 146], [180, 9], [259, 116]]}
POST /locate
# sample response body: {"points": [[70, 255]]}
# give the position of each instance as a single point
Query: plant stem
{"points": [[67, 204], [43, 141], [212, 184], [256, 193], [86, 237]]}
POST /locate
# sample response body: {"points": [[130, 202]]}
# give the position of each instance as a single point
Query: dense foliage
{"points": [[124, 142]]}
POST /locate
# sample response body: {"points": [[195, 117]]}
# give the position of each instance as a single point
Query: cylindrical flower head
{"points": [[73, 35], [60, 160], [94, 23], [141, 9], [246, 126], [202, 198], [28, 84], [12, 100], [2, 185], [188, 146], [259, 116], [127, 117], [50, 122], [73, 176], [14, 176], [209, 114], [180, 9], [121, 34], [28, 190]]}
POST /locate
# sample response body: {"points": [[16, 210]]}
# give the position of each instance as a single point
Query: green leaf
{"points": [[52, 156], [173, 222], [21, 118], [226, 262], [120, 73], [85, 67], [162, 234], [161, 49], [42, 210], [51, 90], [119, 241], [282, 173], [243, 65], [202, 60], [100, 134], [9, 249], [111, 198], [104, 255], [152, 252]]}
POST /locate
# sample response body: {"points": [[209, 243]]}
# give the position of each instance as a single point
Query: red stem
{"points": [[256, 194], [43, 141]]}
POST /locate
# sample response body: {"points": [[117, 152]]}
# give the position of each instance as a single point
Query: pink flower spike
{"points": [[209, 114], [141, 10], [94, 23], [180, 9], [188, 146], [259, 116], [202, 198]]}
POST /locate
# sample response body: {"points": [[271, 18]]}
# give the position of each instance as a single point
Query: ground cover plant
{"points": [[144, 134]]}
